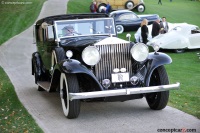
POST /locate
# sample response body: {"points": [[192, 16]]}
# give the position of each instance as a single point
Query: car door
{"points": [[45, 46], [129, 20], [48, 46]]}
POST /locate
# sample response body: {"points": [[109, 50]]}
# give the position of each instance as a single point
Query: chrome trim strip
{"points": [[128, 91]]}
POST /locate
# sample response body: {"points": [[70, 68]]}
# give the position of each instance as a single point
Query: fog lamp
{"points": [[134, 80], [106, 83]]}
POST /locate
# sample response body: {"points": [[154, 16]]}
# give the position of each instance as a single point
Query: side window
{"points": [[128, 16], [44, 34], [49, 33], [134, 16]]}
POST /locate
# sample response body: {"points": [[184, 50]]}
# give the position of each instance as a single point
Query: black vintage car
{"points": [[80, 56], [129, 21]]}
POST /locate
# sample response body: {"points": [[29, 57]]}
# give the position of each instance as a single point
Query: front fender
{"points": [[74, 66], [156, 60]]}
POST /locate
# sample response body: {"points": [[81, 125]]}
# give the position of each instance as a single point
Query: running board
{"points": [[44, 84]]}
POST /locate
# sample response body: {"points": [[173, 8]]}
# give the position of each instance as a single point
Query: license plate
{"points": [[120, 77]]}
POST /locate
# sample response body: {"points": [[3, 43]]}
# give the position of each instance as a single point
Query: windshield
{"points": [[84, 27]]}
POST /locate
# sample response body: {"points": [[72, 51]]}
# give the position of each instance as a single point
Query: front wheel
{"points": [[120, 29], [58, 54], [69, 83], [158, 100]]}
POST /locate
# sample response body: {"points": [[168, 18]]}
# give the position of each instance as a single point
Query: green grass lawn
{"points": [[185, 67], [15, 18], [14, 118]]}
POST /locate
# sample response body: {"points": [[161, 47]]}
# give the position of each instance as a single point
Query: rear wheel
{"points": [[69, 83], [158, 100], [141, 8], [129, 5]]}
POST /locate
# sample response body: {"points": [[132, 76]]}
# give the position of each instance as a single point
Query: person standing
{"points": [[159, 2], [108, 7], [164, 26], [155, 28], [144, 31], [93, 7]]}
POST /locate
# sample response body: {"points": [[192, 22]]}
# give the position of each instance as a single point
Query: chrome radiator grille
{"points": [[112, 56]]}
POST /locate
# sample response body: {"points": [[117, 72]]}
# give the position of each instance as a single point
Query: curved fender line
{"points": [[74, 66], [156, 60]]}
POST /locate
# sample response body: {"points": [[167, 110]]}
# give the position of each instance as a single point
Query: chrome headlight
{"points": [[140, 52], [91, 55]]}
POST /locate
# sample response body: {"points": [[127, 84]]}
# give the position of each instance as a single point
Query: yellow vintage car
{"points": [[122, 4]]}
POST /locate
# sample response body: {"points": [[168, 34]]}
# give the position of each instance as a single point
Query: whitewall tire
{"points": [[120, 29]]}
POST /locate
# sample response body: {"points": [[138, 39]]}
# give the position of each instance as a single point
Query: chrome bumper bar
{"points": [[119, 92]]}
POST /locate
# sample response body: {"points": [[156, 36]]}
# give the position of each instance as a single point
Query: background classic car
{"points": [[138, 37], [122, 4], [129, 21], [79, 56], [181, 36]]}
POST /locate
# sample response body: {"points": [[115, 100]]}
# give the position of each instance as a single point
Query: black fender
{"points": [[75, 67], [36, 60], [156, 60]]}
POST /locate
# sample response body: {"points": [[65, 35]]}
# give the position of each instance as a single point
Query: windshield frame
{"points": [[56, 24]]}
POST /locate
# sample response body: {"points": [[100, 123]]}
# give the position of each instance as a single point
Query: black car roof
{"points": [[120, 12], [50, 19]]}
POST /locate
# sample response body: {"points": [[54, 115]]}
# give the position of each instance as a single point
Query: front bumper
{"points": [[119, 92]]}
